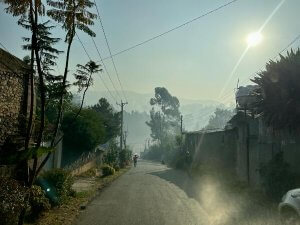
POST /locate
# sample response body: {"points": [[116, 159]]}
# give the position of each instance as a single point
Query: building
{"points": [[15, 93]]}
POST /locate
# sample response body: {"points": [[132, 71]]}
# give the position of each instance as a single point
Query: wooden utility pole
{"points": [[181, 122], [121, 135], [247, 145], [125, 138]]}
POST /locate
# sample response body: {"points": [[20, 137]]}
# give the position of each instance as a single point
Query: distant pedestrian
{"points": [[135, 157]]}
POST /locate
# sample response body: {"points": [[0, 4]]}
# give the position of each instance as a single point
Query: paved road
{"points": [[150, 194]]}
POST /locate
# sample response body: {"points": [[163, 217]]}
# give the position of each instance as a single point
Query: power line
{"points": [[227, 95], [97, 73], [172, 29], [261, 68], [289, 45], [275, 57], [106, 70], [110, 54]]}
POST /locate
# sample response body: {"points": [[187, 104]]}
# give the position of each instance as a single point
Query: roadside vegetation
{"points": [[76, 201], [54, 193], [53, 114]]}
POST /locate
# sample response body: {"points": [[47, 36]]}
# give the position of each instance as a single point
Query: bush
{"points": [[12, 201], [58, 185], [125, 157], [116, 167], [277, 177], [38, 203], [107, 170], [111, 156]]}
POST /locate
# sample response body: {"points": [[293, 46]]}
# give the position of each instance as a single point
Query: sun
{"points": [[254, 39]]}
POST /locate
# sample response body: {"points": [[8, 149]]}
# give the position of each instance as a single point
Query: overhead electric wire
{"points": [[106, 70], [276, 56], [97, 73], [225, 97], [172, 29], [261, 68], [110, 54]]}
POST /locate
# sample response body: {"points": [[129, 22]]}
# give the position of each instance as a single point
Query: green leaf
{"points": [[44, 150]]}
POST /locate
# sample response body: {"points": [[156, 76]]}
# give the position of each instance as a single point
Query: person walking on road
{"points": [[135, 157]]}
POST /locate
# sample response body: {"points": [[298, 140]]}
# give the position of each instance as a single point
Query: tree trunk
{"points": [[60, 105], [42, 95], [83, 96]]}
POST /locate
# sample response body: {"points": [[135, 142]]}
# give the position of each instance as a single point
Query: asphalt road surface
{"points": [[149, 194]]}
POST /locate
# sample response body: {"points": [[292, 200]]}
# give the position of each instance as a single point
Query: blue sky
{"points": [[192, 62]]}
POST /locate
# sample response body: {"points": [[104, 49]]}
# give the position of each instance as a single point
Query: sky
{"points": [[193, 62]]}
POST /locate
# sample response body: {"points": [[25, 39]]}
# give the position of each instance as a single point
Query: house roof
{"points": [[11, 63]]}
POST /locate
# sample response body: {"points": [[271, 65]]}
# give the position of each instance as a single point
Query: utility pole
{"points": [[247, 145], [181, 122], [121, 135], [125, 138]]}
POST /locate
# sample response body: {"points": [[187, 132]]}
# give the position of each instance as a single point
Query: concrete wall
{"points": [[214, 147], [96, 161], [244, 149], [54, 160], [84, 168], [263, 145]]}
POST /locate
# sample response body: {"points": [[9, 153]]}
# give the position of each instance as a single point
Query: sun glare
{"points": [[254, 39]]}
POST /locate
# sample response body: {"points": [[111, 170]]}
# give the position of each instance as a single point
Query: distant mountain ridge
{"points": [[140, 102], [195, 113]]}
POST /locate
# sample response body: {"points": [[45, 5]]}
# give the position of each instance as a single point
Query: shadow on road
{"points": [[180, 179]]}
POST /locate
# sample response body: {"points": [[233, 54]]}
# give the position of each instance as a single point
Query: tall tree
{"points": [[48, 56], [84, 78], [219, 119], [164, 115], [111, 118], [278, 93], [31, 10], [72, 15]]}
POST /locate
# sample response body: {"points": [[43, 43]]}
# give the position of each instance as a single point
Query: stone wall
{"points": [[12, 91]]}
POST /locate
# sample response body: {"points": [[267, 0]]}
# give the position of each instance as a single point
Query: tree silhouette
{"points": [[278, 95], [84, 78]]}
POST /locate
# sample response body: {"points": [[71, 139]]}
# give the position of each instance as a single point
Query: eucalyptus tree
{"points": [[164, 115]]}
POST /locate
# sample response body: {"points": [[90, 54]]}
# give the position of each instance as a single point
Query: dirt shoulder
{"points": [[87, 188]]}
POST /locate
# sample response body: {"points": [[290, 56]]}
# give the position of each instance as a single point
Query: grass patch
{"points": [[83, 194]]}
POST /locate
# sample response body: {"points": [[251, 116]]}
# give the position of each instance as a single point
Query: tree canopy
{"points": [[164, 115], [86, 132], [219, 119], [111, 119], [278, 95]]}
